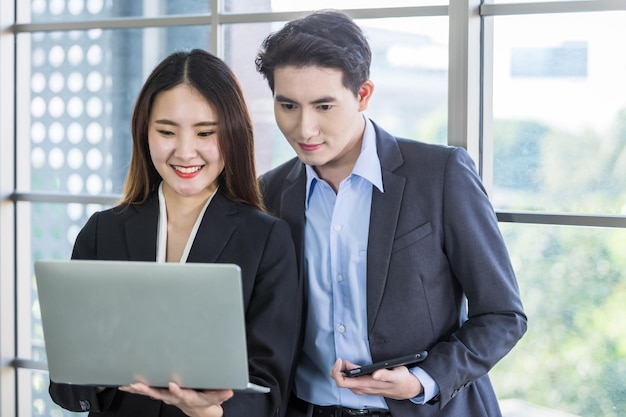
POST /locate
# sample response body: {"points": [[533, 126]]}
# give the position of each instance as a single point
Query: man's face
{"points": [[320, 118]]}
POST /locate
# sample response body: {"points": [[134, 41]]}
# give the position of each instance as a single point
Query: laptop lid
{"points": [[111, 323]]}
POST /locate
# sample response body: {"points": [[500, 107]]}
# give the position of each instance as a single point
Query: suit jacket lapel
{"points": [[141, 230], [383, 218], [292, 207], [383, 221], [215, 230]]}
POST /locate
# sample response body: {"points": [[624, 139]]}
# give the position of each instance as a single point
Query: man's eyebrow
{"points": [[284, 99], [326, 99]]}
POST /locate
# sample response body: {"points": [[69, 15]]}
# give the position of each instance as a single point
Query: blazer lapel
{"points": [[215, 230], [292, 207], [141, 230], [383, 220]]}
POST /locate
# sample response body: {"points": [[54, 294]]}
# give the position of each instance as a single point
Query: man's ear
{"points": [[364, 94]]}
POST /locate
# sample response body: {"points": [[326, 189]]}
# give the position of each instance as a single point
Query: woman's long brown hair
{"points": [[219, 86]]}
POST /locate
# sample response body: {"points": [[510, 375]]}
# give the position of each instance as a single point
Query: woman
{"points": [[191, 195]]}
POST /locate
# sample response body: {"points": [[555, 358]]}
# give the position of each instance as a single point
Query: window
{"points": [[555, 125], [542, 111], [566, 60]]}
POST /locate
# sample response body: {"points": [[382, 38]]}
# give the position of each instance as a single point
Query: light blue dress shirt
{"points": [[336, 236]]}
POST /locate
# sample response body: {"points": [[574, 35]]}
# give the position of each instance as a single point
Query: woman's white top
{"points": [[162, 228]]}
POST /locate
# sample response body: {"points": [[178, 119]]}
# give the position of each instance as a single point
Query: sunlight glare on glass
{"points": [[94, 81], [94, 55], [38, 6], [75, 107], [75, 82], [75, 158], [94, 6], [74, 211], [56, 56], [56, 7], [56, 82], [74, 132], [37, 132], [38, 82], [56, 158], [94, 133], [75, 55], [37, 158], [94, 159], [56, 132], [75, 7], [94, 184], [75, 184]]}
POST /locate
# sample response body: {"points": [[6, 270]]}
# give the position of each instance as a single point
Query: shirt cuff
{"points": [[431, 389]]}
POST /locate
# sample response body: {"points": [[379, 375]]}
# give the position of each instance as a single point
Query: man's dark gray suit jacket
{"points": [[433, 240], [229, 233]]}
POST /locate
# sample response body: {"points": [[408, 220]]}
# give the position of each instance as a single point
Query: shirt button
{"points": [[337, 228], [341, 329], [339, 278]]}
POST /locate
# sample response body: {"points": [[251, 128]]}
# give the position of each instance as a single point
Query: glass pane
{"points": [[410, 74], [76, 91], [559, 115], [44, 11], [252, 6], [36, 401], [573, 357], [409, 71], [241, 44], [45, 231], [530, 1]]}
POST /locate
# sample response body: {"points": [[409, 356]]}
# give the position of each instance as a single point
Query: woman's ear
{"points": [[365, 93]]}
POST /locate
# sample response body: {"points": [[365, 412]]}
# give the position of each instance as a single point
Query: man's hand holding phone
{"points": [[388, 364], [396, 383]]}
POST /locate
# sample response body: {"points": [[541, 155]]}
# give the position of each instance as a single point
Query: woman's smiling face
{"points": [[183, 142]]}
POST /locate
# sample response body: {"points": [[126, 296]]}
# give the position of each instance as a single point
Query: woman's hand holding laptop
{"points": [[192, 402]]}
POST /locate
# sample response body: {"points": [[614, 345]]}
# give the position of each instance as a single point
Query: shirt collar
{"points": [[367, 164]]}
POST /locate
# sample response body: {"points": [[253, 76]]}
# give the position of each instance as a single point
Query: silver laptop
{"points": [[111, 323]]}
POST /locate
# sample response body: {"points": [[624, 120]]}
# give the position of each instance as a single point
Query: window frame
{"points": [[470, 120], [488, 10], [8, 388]]}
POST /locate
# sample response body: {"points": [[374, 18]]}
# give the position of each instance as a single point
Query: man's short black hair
{"points": [[326, 39]]}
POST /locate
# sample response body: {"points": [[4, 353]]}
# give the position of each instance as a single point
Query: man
{"points": [[398, 242]]}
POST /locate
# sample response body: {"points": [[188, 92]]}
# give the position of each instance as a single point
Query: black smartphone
{"points": [[388, 364]]}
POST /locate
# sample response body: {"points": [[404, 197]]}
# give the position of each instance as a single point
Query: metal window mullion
{"points": [[151, 56], [217, 40], [486, 114], [115, 23], [215, 16], [8, 376], [561, 219], [37, 197], [23, 223], [464, 76], [552, 7]]}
